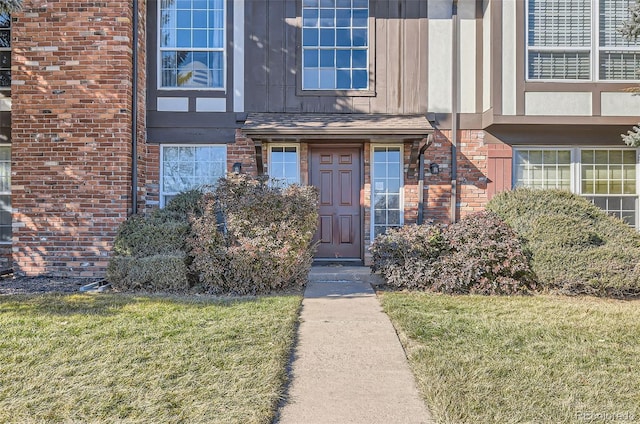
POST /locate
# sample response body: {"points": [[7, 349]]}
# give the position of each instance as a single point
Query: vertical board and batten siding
{"points": [[398, 41], [190, 126], [499, 169]]}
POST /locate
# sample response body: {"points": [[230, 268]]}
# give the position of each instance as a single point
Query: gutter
{"points": [[134, 113], [424, 147], [454, 110]]}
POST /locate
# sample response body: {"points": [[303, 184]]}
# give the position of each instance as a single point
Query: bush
{"points": [[266, 244], [141, 236], [575, 247], [150, 251], [184, 205], [165, 273], [407, 256], [480, 255], [485, 257]]}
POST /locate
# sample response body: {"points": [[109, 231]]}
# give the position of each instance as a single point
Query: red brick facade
{"points": [[72, 147], [71, 133]]}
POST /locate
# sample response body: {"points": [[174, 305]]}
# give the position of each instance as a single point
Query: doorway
{"points": [[336, 172]]}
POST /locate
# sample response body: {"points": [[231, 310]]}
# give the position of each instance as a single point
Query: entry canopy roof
{"points": [[336, 125]]}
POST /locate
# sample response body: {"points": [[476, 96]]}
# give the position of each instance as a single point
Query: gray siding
{"points": [[191, 126], [398, 34]]}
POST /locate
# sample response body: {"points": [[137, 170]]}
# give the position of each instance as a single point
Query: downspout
{"points": [[424, 147], [454, 109], [134, 113]]}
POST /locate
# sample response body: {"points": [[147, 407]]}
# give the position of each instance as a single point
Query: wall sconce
{"points": [[237, 168], [434, 168]]}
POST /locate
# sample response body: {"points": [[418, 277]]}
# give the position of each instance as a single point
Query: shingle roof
{"points": [[319, 124]]}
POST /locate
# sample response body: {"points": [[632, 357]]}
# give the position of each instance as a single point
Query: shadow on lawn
{"points": [[106, 304]]}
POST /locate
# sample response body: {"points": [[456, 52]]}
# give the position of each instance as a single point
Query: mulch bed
{"points": [[10, 285]]}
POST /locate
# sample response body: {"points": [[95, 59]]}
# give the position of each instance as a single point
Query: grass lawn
{"points": [[123, 358], [539, 359]]}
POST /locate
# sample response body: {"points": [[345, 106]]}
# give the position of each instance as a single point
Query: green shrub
{"points": [[407, 256], [485, 257], [157, 273], [150, 251], [575, 247], [185, 204], [141, 236], [266, 244]]}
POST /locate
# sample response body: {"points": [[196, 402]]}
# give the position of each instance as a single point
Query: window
{"points": [[5, 194], [192, 44], [386, 185], [189, 167], [607, 177], [544, 168], [284, 164], [5, 52], [335, 39], [578, 40]]}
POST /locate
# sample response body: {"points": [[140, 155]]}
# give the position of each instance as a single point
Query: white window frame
{"points": [[270, 166], [576, 170], [372, 191], [209, 49], [594, 51], [162, 193], [335, 47], [7, 193], [572, 167]]}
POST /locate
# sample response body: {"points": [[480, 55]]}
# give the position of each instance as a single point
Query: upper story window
{"points": [[5, 51], [192, 44], [335, 44], [578, 40]]}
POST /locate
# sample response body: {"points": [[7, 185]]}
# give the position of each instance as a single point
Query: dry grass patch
{"points": [[118, 358], [539, 359]]}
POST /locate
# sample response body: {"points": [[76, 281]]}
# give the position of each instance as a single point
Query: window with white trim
{"points": [[578, 40], [5, 52], [544, 168], [607, 177], [185, 167], [192, 44], [5, 193], [386, 189], [284, 164], [335, 44]]}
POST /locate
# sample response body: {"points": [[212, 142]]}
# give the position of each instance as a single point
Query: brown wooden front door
{"points": [[335, 171]]}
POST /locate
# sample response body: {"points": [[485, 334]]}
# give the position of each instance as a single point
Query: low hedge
{"points": [[245, 237], [266, 245], [575, 247], [407, 257], [150, 251], [484, 256], [479, 255], [156, 273]]}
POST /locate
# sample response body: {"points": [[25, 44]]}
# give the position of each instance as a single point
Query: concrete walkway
{"points": [[349, 366]]}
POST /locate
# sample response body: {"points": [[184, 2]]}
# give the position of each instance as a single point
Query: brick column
{"points": [[71, 133]]}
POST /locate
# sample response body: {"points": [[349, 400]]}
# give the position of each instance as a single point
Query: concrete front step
{"points": [[343, 274]]}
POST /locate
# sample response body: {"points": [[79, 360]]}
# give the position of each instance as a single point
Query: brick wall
{"points": [[474, 169], [243, 151], [71, 133]]}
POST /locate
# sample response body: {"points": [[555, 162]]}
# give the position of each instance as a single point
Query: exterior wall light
{"points": [[237, 168], [434, 168]]}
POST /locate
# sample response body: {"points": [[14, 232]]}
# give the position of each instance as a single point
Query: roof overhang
{"points": [[318, 126]]}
